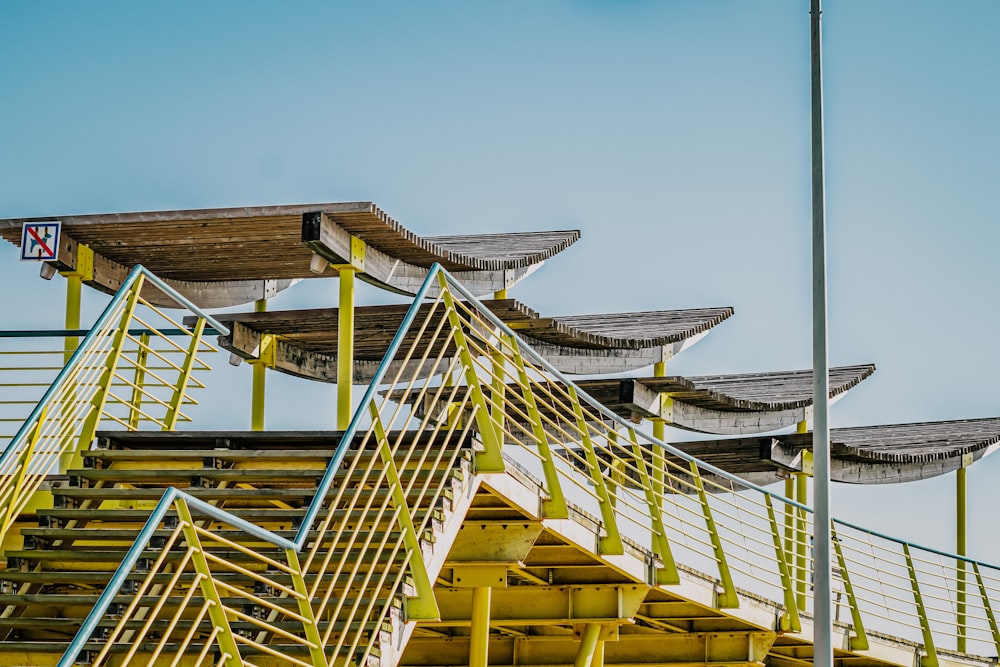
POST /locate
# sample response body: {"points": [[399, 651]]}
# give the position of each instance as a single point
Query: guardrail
{"points": [[359, 557], [129, 370]]}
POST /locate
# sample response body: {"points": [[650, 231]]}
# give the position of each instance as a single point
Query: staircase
{"points": [[68, 558]]}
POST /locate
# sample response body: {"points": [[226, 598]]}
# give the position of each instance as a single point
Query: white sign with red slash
{"points": [[40, 241]]}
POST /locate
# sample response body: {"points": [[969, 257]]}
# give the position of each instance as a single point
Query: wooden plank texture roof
{"points": [[760, 392], [880, 454], [315, 331], [269, 243]]}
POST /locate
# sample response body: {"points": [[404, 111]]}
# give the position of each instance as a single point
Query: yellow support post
{"points": [[859, 642], [791, 615], [588, 645], [306, 610], [611, 543], [422, 606], [801, 496], [660, 433], [490, 459], [184, 377], [216, 612], [667, 574], [138, 379], [259, 369], [74, 288], [727, 598], [72, 458], [987, 607], [931, 659], [345, 330], [554, 507], [345, 348], [960, 546], [479, 644]]}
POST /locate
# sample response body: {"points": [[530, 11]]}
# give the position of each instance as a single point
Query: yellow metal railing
{"points": [[468, 396], [133, 369]]}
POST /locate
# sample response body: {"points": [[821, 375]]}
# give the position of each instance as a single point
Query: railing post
{"points": [[859, 642], [667, 574], [961, 629], [491, 458], [216, 612], [728, 598], [987, 607], [791, 604], [423, 605], [184, 377], [931, 659], [555, 506], [306, 610], [611, 543], [107, 378], [138, 379]]}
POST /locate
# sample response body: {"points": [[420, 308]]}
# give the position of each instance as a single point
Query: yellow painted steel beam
{"points": [[713, 649], [493, 542], [544, 605]]}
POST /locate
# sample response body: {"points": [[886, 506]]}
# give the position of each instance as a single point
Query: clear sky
{"points": [[673, 134]]}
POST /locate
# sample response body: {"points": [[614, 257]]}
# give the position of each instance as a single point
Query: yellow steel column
{"points": [[801, 495], [960, 546], [798, 485], [588, 645], [257, 386], [74, 287], [480, 630], [345, 331], [500, 294], [660, 433]]}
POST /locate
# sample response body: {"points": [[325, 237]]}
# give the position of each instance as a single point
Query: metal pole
{"points": [[960, 549], [257, 382], [823, 598]]}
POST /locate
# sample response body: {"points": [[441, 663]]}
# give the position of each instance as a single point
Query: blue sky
{"points": [[674, 134]]}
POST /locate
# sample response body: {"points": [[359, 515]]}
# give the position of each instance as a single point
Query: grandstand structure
{"points": [[497, 491]]}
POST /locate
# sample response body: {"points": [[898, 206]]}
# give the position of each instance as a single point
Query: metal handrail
{"points": [[710, 543]]}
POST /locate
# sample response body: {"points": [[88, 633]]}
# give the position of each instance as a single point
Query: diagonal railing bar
{"points": [[82, 395], [462, 371]]}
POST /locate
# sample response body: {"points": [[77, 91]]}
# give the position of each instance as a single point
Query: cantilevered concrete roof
{"points": [[225, 257], [859, 455], [307, 339], [735, 404]]}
